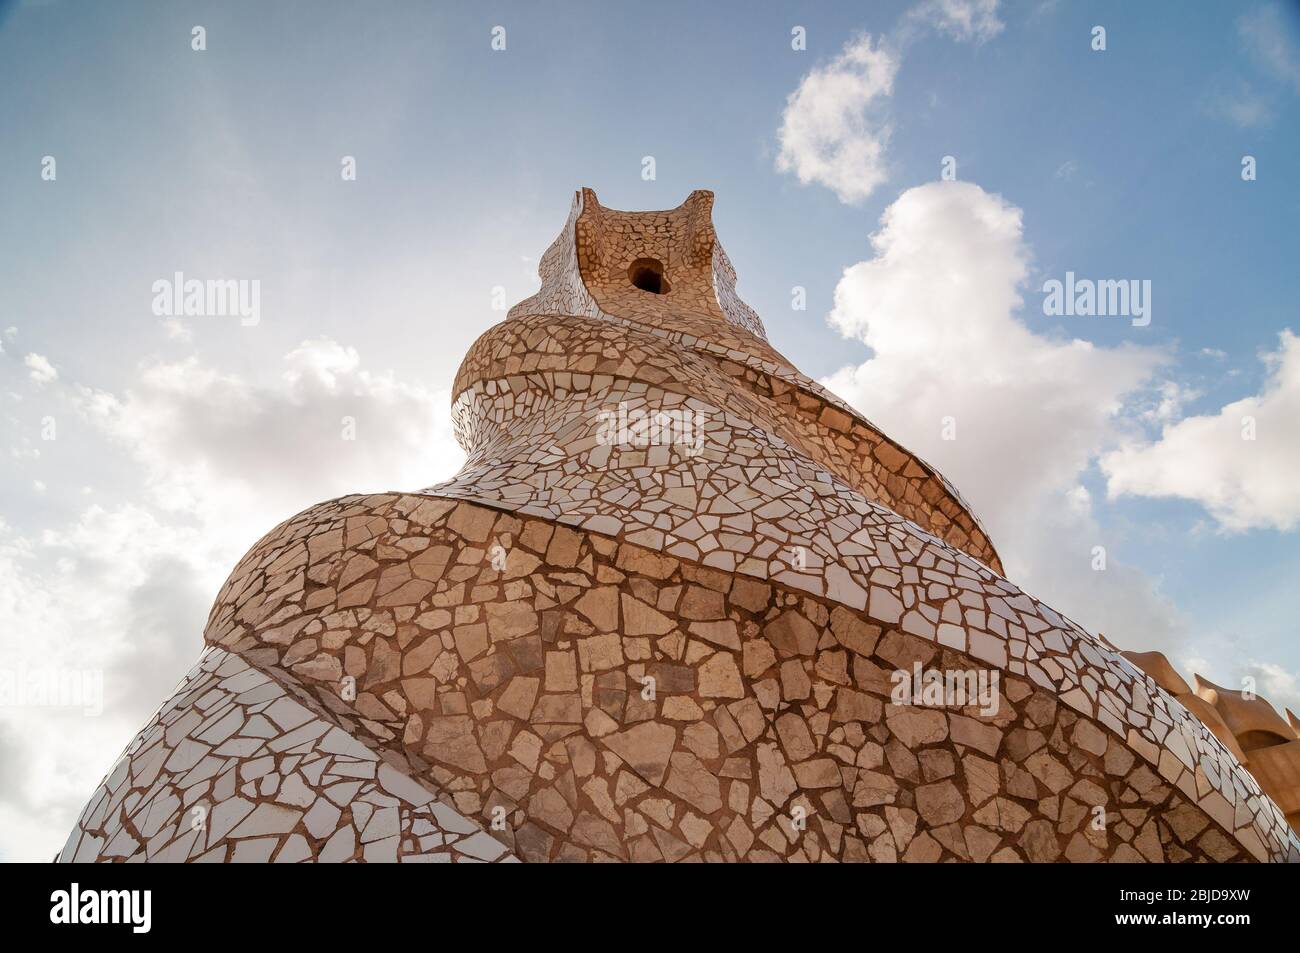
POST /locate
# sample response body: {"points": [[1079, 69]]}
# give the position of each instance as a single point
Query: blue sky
{"points": [[179, 443]]}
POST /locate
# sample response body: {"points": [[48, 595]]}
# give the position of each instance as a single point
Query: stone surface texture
{"points": [[585, 648]]}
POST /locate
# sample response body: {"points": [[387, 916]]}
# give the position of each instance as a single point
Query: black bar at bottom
{"points": [[339, 904]]}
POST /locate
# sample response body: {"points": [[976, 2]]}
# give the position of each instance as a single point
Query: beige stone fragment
{"points": [[600, 607], [719, 677], [641, 619], [853, 705], [818, 773], [719, 633], [916, 726], [472, 521], [940, 803], [795, 736], [1089, 737], [792, 634], [974, 733], [691, 781], [758, 656], [600, 652], [561, 672], [510, 620], [518, 697], [645, 748], [682, 708]]}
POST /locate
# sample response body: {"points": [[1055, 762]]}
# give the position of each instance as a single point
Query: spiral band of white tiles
{"points": [[236, 766]]}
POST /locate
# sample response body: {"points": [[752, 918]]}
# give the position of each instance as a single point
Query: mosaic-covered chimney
{"points": [[681, 603]]}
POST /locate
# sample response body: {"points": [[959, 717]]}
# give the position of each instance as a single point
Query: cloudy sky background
{"points": [[179, 442]]}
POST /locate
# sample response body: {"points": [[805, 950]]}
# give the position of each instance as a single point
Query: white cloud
{"points": [[72, 603], [1278, 686], [1268, 38], [1168, 402], [1238, 103], [177, 330], [963, 20], [836, 126], [124, 587], [834, 130], [41, 370], [204, 436], [938, 304], [1243, 483]]}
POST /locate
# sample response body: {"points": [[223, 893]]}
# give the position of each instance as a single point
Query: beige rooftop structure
{"points": [[664, 613], [1248, 726]]}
